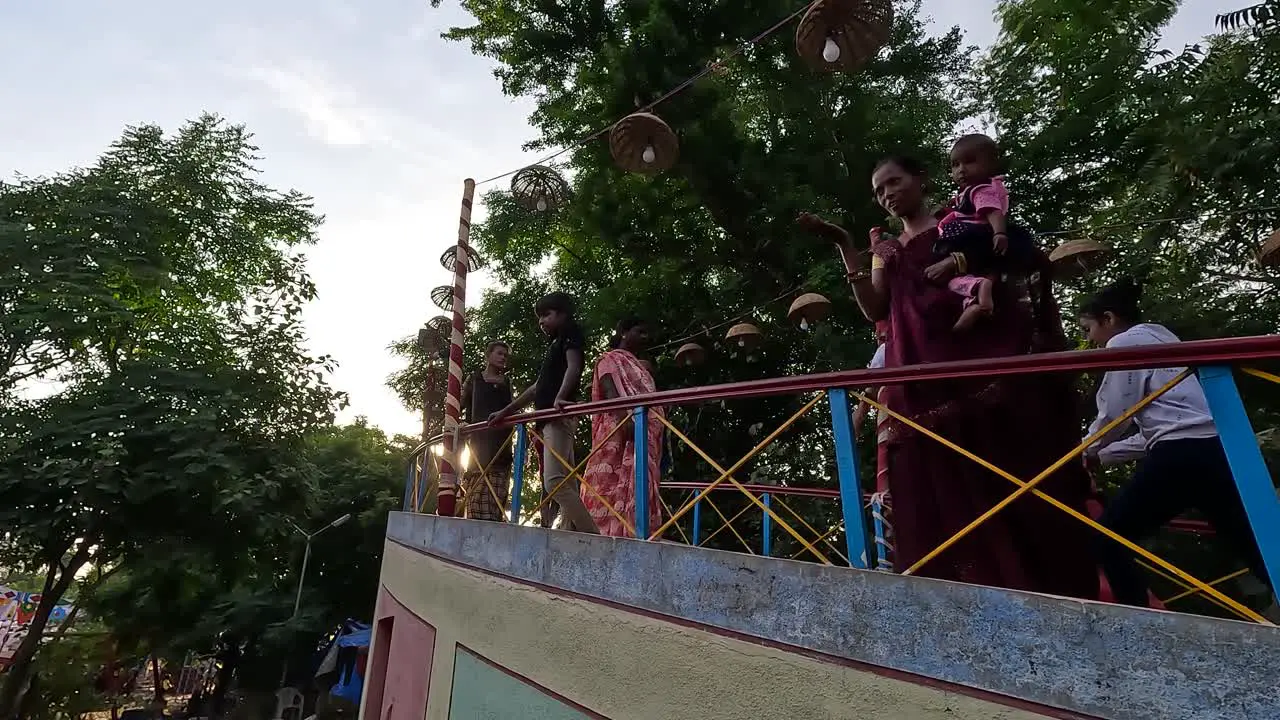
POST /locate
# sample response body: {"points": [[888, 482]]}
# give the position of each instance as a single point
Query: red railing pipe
{"points": [[1226, 351]]}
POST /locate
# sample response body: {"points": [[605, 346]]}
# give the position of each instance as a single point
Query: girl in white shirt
{"points": [[1181, 463]]}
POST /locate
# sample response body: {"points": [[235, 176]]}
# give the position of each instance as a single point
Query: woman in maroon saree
{"points": [[1019, 424]]}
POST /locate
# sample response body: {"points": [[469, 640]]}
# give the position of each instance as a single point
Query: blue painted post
{"points": [[1247, 466], [423, 478], [877, 522], [408, 488], [640, 421], [855, 533], [767, 544], [697, 523], [517, 474]]}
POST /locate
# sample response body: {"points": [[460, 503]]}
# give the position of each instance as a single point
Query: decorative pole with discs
{"points": [[452, 400]]}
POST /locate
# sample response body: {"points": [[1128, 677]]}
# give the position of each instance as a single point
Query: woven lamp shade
{"points": [[442, 296], [690, 354], [808, 309], [634, 134], [538, 188], [449, 260], [858, 28], [1269, 253], [442, 324], [744, 335], [1074, 258]]}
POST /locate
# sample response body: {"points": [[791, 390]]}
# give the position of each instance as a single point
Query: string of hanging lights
{"points": [[857, 29], [832, 36], [1071, 259]]}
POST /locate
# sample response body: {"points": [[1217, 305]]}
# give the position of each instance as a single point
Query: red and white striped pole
{"points": [[452, 400]]}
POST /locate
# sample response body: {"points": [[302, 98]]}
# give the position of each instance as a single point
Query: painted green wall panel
{"points": [[483, 692]]}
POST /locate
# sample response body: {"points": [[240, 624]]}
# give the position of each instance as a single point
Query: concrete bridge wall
{"points": [[487, 620]]}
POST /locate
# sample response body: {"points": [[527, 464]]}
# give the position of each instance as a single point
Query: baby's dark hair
{"points": [[909, 164], [980, 143], [1120, 298], [555, 302], [623, 326]]}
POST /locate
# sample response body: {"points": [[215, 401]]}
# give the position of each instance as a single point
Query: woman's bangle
{"points": [[962, 264], [858, 276]]}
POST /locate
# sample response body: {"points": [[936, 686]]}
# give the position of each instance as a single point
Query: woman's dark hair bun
{"points": [[622, 328]]}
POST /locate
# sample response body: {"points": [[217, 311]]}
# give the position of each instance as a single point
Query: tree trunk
{"points": [[55, 585]]}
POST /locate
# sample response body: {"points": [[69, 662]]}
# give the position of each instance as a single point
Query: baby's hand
{"points": [[1000, 243], [942, 269]]}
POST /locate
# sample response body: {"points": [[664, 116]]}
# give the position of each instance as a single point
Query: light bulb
{"points": [[804, 324], [830, 51], [542, 204], [649, 155], [742, 342]]}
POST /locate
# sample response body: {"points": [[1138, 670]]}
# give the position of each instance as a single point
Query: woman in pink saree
{"points": [[1020, 424], [611, 472]]}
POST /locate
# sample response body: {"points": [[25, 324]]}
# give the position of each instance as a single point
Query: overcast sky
{"points": [[360, 104]]}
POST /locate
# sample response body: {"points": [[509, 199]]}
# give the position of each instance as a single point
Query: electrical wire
{"points": [[682, 86]]}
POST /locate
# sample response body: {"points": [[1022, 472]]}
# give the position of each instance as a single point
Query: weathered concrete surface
{"points": [[1105, 660], [572, 657]]}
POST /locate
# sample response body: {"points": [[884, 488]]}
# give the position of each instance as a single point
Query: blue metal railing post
{"points": [[517, 474], [881, 541], [697, 523], [1257, 492], [767, 526], [408, 487], [640, 421], [422, 483], [846, 449]]}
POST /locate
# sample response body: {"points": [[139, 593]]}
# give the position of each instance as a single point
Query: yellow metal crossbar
{"points": [[576, 471], [1193, 591], [1262, 374], [729, 524], [679, 529], [484, 472], [822, 537], [1029, 486], [728, 475], [1188, 586], [1132, 546], [736, 466]]}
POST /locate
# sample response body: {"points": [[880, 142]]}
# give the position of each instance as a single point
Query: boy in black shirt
{"points": [[557, 387]]}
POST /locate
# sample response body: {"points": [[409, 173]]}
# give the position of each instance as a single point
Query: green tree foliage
{"points": [[243, 593], [1103, 127], [159, 289], [761, 140]]}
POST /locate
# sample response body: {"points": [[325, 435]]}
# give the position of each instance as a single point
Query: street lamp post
{"points": [[302, 575]]}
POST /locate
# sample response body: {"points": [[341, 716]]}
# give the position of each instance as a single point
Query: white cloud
{"points": [[330, 115]]}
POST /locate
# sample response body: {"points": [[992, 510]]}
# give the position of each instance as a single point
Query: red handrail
{"points": [[1226, 351]]}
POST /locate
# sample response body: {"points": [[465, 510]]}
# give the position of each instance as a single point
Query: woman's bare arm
{"points": [[870, 284]]}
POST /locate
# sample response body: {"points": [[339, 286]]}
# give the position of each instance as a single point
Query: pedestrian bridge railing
{"points": [[861, 516]]}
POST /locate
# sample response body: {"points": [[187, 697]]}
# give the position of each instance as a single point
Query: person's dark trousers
{"points": [[1175, 476]]}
